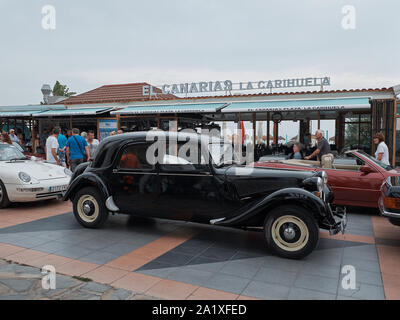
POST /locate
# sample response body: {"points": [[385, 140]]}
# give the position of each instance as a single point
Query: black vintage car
{"points": [[389, 201], [132, 174]]}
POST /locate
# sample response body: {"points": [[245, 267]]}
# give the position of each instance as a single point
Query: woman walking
{"points": [[382, 151]]}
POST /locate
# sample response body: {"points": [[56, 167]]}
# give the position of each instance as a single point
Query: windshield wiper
{"points": [[16, 159]]}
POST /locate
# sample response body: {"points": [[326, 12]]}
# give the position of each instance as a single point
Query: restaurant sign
{"points": [[228, 85]]}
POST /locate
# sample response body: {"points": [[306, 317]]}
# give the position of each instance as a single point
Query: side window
{"points": [[133, 157], [179, 158]]}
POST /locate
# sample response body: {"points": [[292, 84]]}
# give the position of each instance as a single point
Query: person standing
{"points": [[5, 138], [52, 146], [13, 136], [323, 147], [382, 151], [92, 143], [297, 152], [62, 141], [77, 149]]}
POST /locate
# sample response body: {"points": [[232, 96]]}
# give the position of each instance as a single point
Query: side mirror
{"points": [[366, 169]]}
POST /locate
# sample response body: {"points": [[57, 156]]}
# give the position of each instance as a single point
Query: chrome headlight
{"points": [[68, 172], [324, 177], [320, 184], [24, 177]]}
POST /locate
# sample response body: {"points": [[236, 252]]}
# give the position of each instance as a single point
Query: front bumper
{"points": [[35, 192]]}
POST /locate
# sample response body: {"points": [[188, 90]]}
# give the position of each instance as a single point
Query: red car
{"points": [[355, 179]]}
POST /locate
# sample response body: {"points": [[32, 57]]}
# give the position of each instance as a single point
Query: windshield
{"points": [[222, 153], [9, 152], [379, 163]]}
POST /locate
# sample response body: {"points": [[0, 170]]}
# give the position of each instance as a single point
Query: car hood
{"points": [[36, 169], [261, 180]]}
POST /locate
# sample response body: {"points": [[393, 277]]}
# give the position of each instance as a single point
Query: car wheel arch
{"points": [[87, 180]]}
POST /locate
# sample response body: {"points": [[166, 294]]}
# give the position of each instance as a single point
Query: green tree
{"points": [[62, 90]]}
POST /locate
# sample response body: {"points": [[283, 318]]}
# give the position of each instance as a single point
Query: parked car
{"points": [[25, 180], [389, 201], [355, 179], [289, 206]]}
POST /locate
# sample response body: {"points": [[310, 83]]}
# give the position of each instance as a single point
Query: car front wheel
{"points": [[89, 208], [291, 232]]}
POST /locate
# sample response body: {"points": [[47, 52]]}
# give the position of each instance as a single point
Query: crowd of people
{"points": [[71, 149], [323, 148]]}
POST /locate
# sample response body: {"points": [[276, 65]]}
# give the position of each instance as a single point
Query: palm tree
{"points": [[62, 90]]}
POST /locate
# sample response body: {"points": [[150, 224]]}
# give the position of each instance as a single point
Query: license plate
{"points": [[58, 188]]}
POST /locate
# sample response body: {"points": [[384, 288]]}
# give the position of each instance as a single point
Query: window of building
{"points": [[357, 132]]}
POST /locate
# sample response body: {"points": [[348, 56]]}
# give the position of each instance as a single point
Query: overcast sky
{"points": [[99, 42]]}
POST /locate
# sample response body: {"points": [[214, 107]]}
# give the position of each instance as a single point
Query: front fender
{"points": [[86, 179], [281, 197]]}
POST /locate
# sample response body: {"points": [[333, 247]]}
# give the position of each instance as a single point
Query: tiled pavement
{"points": [[176, 260]]}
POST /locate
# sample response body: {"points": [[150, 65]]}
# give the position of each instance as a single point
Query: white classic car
{"points": [[26, 180]]}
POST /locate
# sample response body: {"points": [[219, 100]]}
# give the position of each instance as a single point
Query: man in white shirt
{"points": [[92, 143], [52, 147], [382, 151], [13, 136]]}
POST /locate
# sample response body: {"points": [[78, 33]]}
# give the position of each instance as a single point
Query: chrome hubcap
{"points": [[88, 207], [289, 233]]}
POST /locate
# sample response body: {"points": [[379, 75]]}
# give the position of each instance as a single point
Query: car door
{"points": [[354, 187], [134, 181], [188, 190]]}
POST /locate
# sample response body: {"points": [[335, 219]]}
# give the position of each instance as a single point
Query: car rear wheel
{"points": [[4, 202], [89, 208], [291, 232]]}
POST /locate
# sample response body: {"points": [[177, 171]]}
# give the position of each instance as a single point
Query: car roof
{"points": [[111, 144]]}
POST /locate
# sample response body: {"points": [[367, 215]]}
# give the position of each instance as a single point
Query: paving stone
{"points": [[305, 294], [80, 295], [18, 285], [323, 284], [97, 287], [99, 257], [15, 297], [277, 276], [362, 264], [282, 264], [363, 291], [63, 282], [265, 290], [322, 270], [226, 282], [239, 269], [120, 294], [191, 276]]}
